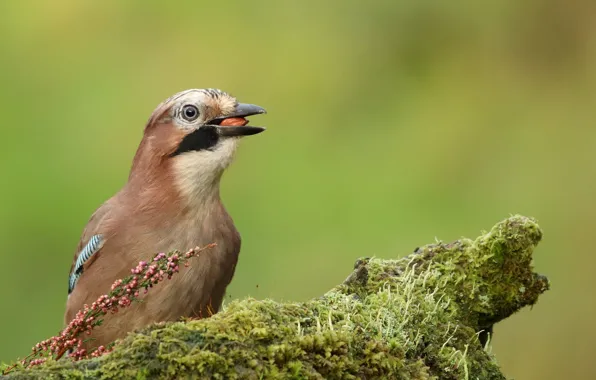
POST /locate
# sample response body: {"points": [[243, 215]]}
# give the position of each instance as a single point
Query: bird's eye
{"points": [[190, 112]]}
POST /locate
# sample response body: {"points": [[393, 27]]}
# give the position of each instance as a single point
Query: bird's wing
{"points": [[91, 242]]}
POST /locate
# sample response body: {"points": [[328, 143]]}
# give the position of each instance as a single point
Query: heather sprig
{"points": [[123, 293]]}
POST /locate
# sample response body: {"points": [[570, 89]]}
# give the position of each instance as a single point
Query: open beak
{"points": [[235, 124]]}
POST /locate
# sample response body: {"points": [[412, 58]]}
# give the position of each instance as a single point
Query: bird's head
{"points": [[194, 135]]}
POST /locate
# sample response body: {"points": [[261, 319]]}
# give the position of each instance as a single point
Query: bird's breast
{"points": [[202, 284]]}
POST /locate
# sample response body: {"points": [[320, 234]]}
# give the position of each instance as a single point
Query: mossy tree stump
{"points": [[418, 317]]}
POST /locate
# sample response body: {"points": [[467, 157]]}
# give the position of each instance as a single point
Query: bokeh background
{"points": [[391, 123]]}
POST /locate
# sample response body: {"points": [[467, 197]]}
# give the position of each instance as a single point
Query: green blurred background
{"points": [[391, 123]]}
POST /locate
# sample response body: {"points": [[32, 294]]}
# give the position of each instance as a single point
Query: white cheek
{"points": [[197, 174]]}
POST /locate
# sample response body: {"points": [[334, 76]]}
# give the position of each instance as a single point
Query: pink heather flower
{"points": [[116, 284], [35, 362], [123, 293], [100, 351]]}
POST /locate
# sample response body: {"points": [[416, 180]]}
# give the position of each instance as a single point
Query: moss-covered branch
{"points": [[412, 318]]}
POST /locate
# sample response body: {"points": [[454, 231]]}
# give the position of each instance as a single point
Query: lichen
{"points": [[417, 317]]}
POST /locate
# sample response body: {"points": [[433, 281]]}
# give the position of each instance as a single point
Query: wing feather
{"points": [[91, 242], [92, 247]]}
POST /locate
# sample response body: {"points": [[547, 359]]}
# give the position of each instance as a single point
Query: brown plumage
{"points": [[170, 202]]}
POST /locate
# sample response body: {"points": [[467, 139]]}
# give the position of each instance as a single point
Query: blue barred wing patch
{"points": [[94, 245]]}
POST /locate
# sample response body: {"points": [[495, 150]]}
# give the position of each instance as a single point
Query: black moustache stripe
{"points": [[204, 138]]}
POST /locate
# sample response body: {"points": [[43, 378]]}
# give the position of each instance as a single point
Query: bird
{"points": [[171, 201]]}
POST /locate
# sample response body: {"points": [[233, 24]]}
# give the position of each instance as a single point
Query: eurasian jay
{"points": [[171, 201]]}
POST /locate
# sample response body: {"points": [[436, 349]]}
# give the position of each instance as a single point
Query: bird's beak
{"points": [[234, 124], [245, 109], [243, 130]]}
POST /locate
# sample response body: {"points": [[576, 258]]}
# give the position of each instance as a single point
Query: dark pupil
{"points": [[190, 112]]}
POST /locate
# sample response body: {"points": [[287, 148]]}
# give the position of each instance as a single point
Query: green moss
{"points": [[412, 318]]}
